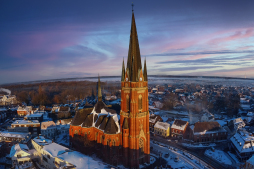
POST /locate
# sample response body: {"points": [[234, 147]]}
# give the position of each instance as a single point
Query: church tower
{"points": [[134, 115]]}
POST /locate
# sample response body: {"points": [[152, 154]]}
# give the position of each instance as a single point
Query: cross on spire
{"points": [[132, 5]]}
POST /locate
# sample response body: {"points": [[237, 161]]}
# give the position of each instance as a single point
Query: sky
{"points": [[42, 40]]}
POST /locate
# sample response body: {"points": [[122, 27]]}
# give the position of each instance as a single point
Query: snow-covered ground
{"points": [[218, 155]]}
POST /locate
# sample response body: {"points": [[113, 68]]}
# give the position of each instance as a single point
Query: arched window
{"points": [[140, 102], [113, 143], [127, 103], [100, 139], [96, 136]]}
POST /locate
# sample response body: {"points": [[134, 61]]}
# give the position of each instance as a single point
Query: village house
{"points": [[8, 99], [21, 156], [208, 132], [162, 129], [243, 144], [37, 116], [178, 128], [48, 129], [32, 126], [153, 119], [11, 138]]}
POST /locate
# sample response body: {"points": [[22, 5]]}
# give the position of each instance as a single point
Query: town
{"points": [[202, 125]]}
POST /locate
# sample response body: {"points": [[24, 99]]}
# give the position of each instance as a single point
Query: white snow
{"points": [[243, 141], [55, 149], [81, 161], [218, 155], [162, 125]]}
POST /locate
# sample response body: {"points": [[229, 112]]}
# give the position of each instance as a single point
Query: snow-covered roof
{"points": [[18, 147], [48, 124], [243, 141], [42, 140], [179, 124], [17, 122], [35, 115], [162, 125], [251, 160], [80, 161], [55, 149], [14, 134]]}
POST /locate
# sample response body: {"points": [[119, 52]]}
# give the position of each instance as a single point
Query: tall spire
{"points": [[145, 71], [123, 72], [99, 89], [133, 54]]}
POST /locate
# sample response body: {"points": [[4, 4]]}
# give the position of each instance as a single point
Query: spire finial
{"points": [[99, 89], [132, 5]]}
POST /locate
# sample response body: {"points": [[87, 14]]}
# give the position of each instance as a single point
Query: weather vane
{"points": [[132, 6]]}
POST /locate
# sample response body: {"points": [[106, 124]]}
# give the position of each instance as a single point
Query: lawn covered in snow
{"points": [[218, 155]]}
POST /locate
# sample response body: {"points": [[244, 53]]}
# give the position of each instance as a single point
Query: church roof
{"points": [[88, 121], [80, 116], [111, 127], [100, 119], [104, 123]]}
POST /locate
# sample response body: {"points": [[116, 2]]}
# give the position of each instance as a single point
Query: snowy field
{"points": [[219, 156]]}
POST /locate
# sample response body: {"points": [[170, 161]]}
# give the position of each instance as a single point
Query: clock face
{"points": [[126, 78], [141, 79]]}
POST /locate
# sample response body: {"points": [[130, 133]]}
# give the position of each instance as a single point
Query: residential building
{"points": [[153, 119], [32, 126], [49, 129], [209, 132], [162, 129], [178, 128], [243, 144], [37, 116], [11, 138], [21, 156]]}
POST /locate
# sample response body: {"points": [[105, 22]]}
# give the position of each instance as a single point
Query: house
{"points": [[21, 156], [208, 132], [157, 104], [32, 126], [178, 128], [22, 111], [153, 119], [9, 99], [48, 129], [243, 144], [37, 116], [11, 138], [162, 129], [207, 116], [238, 123]]}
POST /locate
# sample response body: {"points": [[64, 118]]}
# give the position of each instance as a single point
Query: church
{"points": [[98, 130]]}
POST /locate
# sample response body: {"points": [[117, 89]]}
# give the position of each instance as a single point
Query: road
{"points": [[185, 159], [204, 160]]}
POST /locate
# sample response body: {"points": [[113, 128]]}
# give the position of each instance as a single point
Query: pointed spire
{"points": [[125, 124], [123, 72], [99, 89], [134, 59], [145, 71]]}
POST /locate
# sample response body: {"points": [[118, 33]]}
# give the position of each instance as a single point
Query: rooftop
{"points": [[17, 122]]}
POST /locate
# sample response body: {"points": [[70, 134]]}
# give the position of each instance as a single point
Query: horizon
{"points": [[59, 40]]}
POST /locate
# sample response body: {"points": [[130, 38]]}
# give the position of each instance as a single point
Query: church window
{"points": [[100, 139], [76, 132], [96, 136], [127, 103], [114, 143], [140, 102]]}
